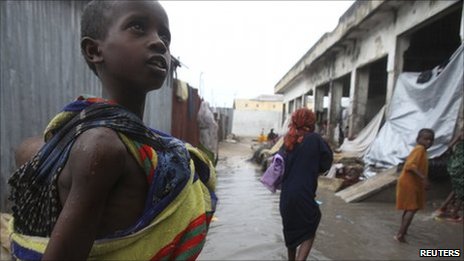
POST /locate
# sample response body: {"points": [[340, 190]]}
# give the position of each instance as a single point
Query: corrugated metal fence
{"points": [[224, 118], [42, 69]]}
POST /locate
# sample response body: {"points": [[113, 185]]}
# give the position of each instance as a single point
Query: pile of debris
{"points": [[263, 152], [348, 169]]}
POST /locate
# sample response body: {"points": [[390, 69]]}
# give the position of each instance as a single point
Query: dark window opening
{"points": [[377, 79], [434, 43]]}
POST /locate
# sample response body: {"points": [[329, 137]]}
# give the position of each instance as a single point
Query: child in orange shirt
{"points": [[412, 183]]}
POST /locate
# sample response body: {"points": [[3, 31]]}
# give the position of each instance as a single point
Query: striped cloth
{"points": [[178, 207]]}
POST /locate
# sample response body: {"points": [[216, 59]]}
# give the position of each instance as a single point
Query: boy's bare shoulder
{"points": [[102, 136], [98, 150], [101, 141]]}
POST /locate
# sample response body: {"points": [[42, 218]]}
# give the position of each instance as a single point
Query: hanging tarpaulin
{"points": [[208, 128], [359, 146], [433, 103], [461, 31]]}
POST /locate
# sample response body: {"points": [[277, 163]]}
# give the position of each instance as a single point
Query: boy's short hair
{"points": [[95, 21], [425, 130]]}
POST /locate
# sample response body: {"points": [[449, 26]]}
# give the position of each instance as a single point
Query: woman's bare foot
{"points": [[440, 213], [400, 239]]}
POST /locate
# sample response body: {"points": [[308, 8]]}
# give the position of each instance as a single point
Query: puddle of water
{"points": [[248, 225]]}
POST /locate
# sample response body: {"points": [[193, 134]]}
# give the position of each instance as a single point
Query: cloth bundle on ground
{"points": [[272, 177], [179, 204]]}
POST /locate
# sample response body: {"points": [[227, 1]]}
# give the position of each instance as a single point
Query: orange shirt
{"points": [[410, 189]]}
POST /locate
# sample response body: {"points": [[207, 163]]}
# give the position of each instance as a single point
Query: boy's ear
{"points": [[91, 50]]}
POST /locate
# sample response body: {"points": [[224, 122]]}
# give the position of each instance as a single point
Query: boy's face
{"points": [[136, 49], [425, 139]]}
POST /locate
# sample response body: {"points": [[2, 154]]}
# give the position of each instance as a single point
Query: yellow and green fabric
{"points": [[178, 207]]}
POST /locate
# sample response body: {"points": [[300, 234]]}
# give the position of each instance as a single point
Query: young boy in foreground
{"points": [[104, 185], [413, 181]]}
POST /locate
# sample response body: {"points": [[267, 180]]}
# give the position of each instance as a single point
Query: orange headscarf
{"points": [[303, 121]]}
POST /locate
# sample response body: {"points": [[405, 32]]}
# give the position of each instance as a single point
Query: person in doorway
{"points": [[323, 130], [104, 185], [271, 135], [413, 181], [454, 201], [306, 155]]}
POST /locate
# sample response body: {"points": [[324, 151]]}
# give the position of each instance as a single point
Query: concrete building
{"points": [[360, 60], [251, 116]]}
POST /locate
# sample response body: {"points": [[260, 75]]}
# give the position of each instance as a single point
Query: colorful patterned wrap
{"points": [[178, 208], [456, 169]]}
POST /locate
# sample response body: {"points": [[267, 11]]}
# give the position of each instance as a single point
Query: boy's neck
{"points": [[134, 103], [136, 108]]}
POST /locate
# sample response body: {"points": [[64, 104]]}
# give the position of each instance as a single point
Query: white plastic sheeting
{"points": [[208, 128], [359, 146], [434, 104]]}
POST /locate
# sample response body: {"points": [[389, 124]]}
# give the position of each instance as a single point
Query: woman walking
{"points": [[306, 155]]}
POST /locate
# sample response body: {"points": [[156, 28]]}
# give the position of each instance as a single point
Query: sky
{"points": [[241, 49]]}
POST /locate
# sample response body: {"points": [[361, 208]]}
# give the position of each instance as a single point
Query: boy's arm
{"points": [[415, 171], [424, 179], [417, 155], [95, 164]]}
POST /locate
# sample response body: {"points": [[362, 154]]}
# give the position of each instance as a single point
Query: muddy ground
{"points": [[247, 222]]}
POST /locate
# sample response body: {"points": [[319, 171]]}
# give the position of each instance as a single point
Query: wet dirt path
{"points": [[248, 225]]}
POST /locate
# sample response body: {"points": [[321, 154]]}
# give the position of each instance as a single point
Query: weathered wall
{"points": [[250, 123], [352, 17], [158, 105], [42, 70], [225, 119], [300, 86], [368, 31], [184, 123], [247, 104]]}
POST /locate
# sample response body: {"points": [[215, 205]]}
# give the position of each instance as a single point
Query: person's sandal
{"points": [[440, 213]]}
